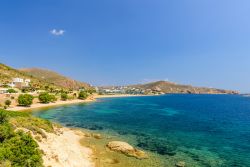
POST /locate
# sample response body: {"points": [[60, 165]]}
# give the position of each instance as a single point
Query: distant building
{"points": [[19, 83], [3, 90], [27, 82]]}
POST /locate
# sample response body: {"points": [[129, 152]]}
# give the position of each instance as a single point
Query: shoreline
{"points": [[78, 146], [62, 148], [55, 104], [68, 102]]}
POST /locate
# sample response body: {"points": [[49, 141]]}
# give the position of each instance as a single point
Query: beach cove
{"points": [[195, 129], [71, 146]]}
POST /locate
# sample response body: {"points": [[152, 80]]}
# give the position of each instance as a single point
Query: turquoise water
{"points": [[202, 130]]}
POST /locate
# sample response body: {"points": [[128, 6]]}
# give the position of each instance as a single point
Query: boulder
{"points": [[97, 135], [127, 149], [180, 164]]}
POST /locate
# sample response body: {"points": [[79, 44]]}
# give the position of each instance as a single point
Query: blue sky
{"points": [[204, 43]]}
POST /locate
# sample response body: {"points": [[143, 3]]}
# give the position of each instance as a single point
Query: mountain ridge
{"points": [[171, 87], [55, 78]]}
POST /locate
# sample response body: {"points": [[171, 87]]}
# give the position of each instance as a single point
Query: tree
{"points": [[11, 91], [44, 97], [25, 99], [83, 95], [53, 98], [64, 96], [7, 103]]}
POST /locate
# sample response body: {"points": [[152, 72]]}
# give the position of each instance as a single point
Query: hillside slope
{"points": [[7, 73], [170, 87], [55, 78]]}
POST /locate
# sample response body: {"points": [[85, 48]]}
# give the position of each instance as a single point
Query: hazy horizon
{"points": [[200, 43]]}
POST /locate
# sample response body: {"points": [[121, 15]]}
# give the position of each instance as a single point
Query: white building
{"points": [[19, 82], [3, 90], [27, 82]]}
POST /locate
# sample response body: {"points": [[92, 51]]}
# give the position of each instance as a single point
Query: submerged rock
{"points": [[180, 164], [97, 135], [126, 149], [160, 146]]}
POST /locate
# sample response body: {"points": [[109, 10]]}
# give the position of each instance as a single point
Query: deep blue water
{"points": [[202, 130]]}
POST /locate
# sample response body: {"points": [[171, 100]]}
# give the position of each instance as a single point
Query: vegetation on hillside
{"points": [[7, 73], [64, 96], [170, 87], [18, 148], [55, 78], [83, 95]]}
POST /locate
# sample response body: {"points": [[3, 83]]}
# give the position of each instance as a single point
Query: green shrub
{"points": [[18, 149], [3, 117], [11, 91], [44, 97], [83, 95], [25, 99], [32, 123], [12, 114], [7, 103], [64, 96], [6, 131], [53, 98], [21, 150]]}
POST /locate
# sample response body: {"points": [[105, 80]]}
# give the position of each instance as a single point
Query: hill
{"points": [[54, 78], [170, 87], [8, 73]]}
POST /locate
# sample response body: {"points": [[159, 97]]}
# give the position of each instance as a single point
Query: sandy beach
{"points": [[62, 148], [68, 102], [65, 147], [41, 105]]}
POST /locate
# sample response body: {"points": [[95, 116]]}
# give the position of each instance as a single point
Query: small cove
{"points": [[202, 130]]}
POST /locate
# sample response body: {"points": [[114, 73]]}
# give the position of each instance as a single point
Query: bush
{"points": [[7, 103], [53, 98], [11, 91], [21, 150], [18, 149], [6, 131], [25, 99], [83, 95], [44, 97], [3, 117], [64, 96]]}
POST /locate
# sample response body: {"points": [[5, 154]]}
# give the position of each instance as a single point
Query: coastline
{"points": [[77, 146], [68, 102], [63, 148], [55, 104]]}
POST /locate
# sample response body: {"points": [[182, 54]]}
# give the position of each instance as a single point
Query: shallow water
{"points": [[202, 130]]}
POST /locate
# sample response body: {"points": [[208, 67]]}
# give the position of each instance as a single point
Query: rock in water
{"points": [[180, 164], [126, 149], [97, 136]]}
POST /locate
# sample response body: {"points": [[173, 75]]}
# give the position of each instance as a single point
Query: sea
{"points": [[199, 130]]}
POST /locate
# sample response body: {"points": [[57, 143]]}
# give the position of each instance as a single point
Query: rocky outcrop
{"points": [[127, 149], [180, 164]]}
